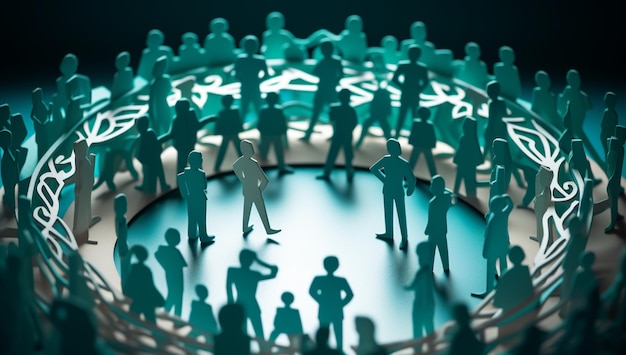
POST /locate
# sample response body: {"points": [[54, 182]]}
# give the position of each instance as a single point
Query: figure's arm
{"points": [[314, 290], [376, 169], [164, 138], [238, 171], [206, 120], [229, 287], [411, 181], [263, 180], [396, 77], [412, 285], [349, 293], [271, 275]]}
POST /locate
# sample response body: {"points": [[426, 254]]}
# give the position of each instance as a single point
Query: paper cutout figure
{"points": [[615, 162], [332, 293], [233, 338], [248, 69], [329, 70], [472, 70], [154, 50], [501, 155], [464, 340], [120, 206], [321, 343], [423, 285], [192, 184], [423, 140], [543, 101], [273, 128], [117, 156], [505, 72], [497, 242], [219, 44], [393, 171], [72, 84], [184, 132], [391, 52], [83, 180], [77, 282], [254, 181], [139, 286], [75, 328], [543, 201], [577, 160], [74, 113], [287, 320], [367, 344], [379, 111], [467, 157], [352, 41], [575, 248], [229, 124], [533, 339], [190, 54], [173, 263], [123, 79], [5, 116], [201, 315], [613, 296], [245, 281], [159, 110], [496, 128], [10, 169], [411, 77], [583, 283], [149, 155], [276, 39], [437, 225], [42, 123], [437, 60], [609, 121], [344, 120]]}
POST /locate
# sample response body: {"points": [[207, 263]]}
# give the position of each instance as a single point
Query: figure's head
{"points": [[246, 257], [578, 148], [182, 106], [507, 55], [195, 159], [469, 125], [275, 21], [37, 95], [122, 60], [516, 255], [227, 101], [418, 31], [140, 252], [218, 25], [390, 43], [247, 148], [120, 204], [327, 47], [461, 315], [322, 335], [542, 79], [437, 185], [331, 264], [393, 147], [5, 113], [365, 327], [80, 148], [155, 39], [573, 79], [354, 24], [344, 96], [142, 124], [231, 317], [287, 298], [189, 38], [69, 64], [202, 292], [424, 251], [414, 53], [493, 89], [271, 98], [610, 99], [499, 148], [250, 44], [472, 50], [587, 259], [423, 113], [172, 237]]}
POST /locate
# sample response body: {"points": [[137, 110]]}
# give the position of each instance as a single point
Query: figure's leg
{"points": [[221, 153], [491, 272], [150, 316], [338, 330], [503, 264], [401, 117], [162, 181], [192, 221], [333, 151], [247, 207], [430, 160], [470, 183], [457, 181], [318, 104], [178, 301], [260, 207], [257, 325], [264, 147], [400, 208], [245, 105], [388, 204], [280, 154], [181, 161], [415, 155], [274, 334], [364, 130], [384, 125], [443, 252], [348, 155]]}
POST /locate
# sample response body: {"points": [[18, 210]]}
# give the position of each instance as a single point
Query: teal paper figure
{"points": [[19, 132], [10, 169], [391, 54], [77, 282], [439, 60], [467, 157], [615, 162], [120, 206], [139, 287], [149, 155], [173, 263], [279, 43], [185, 87], [332, 293], [321, 343], [57, 111], [233, 339], [497, 181], [123, 77], [254, 181], [423, 285], [575, 248], [367, 344], [543, 201], [344, 120], [273, 127], [159, 110], [379, 111], [5, 116], [228, 124], [411, 77], [329, 70], [75, 328], [543, 101], [501, 155], [190, 54], [42, 123], [74, 113], [565, 139], [71, 83], [423, 140], [184, 132], [219, 44], [531, 344], [201, 315], [472, 70], [83, 180], [437, 225], [352, 41], [577, 160], [192, 184], [613, 297], [151, 54], [496, 128], [287, 320], [496, 244], [117, 155], [393, 171], [609, 121], [245, 281], [583, 283], [248, 69], [464, 341], [581, 335], [505, 72]]}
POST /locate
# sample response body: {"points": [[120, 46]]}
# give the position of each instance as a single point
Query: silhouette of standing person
{"points": [[228, 125], [614, 162], [332, 293], [423, 140], [437, 226], [367, 345], [329, 70], [233, 340], [321, 343], [273, 127], [149, 155], [609, 121], [192, 185], [139, 286], [9, 169], [42, 122], [287, 320], [201, 315], [393, 171], [496, 128], [219, 44], [380, 109], [423, 285], [84, 180], [248, 68], [254, 181], [120, 205], [245, 282], [173, 263], [153, 51], [467, 157], [543, 100], [344, 120], [184, 132], [464, 341], [411, 77], [160, 111]]}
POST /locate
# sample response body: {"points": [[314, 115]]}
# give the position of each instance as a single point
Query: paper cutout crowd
{"points": [[582, 305]]}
